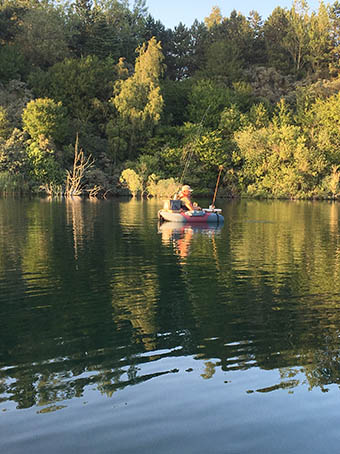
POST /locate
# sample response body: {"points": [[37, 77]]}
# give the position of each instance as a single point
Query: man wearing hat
{"points": [[185, 197]]}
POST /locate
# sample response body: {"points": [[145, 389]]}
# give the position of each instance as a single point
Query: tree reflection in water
{"points": [[90, 293]]}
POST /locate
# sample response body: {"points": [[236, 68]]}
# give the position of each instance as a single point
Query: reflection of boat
{"points": [[181, 235], [172, 212], [172, 229]]}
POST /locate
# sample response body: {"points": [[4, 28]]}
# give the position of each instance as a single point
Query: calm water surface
{"points": [[119, 335]]}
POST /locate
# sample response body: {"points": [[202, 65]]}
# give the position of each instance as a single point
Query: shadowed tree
{"points": [[320, 42], [42, 38], [275, 30], [334, 16], [180, 53], [296, 41]]}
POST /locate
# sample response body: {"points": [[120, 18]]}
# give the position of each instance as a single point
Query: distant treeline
{"points": [[260, 97]]}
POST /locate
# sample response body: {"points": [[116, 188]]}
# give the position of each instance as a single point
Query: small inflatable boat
{"points": [[173, 212]]}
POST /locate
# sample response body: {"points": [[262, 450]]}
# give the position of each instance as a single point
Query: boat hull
{"points": [[198, 216]]}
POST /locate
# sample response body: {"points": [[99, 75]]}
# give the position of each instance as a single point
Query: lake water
{"points": [[121, 336]]}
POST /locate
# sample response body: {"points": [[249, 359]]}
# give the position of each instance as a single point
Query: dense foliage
{"points": [[260, 97]]}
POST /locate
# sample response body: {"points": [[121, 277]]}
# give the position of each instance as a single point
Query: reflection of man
{"points": [[183, 243], [185, 197], [180, 237]]}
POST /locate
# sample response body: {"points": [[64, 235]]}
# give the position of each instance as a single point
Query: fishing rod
{"points": [[216, 188]]}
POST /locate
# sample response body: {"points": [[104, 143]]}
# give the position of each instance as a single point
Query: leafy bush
{"points": [[162, 188], [278, 163], [132, 181]]}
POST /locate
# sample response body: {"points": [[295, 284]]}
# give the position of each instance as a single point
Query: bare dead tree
{"points": [[74, 178], [93, 192]]}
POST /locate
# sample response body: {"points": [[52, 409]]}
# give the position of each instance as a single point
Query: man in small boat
{"points": [[185, 198]]}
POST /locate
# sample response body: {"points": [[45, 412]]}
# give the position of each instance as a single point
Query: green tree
{"points": [[334, 16], [45, 168], [223, 62], [176, 99], [209, 98], [200, 40], [45, 117], [320, 42], [138, 99], [275, 30], [12, 63], [257, 52], [214, 18], [14, 97], [43, 36], [179, 53], [297, 39], [115, 30], [235, 32], [206, 102], [241, 32], [81, 18], [11, 16], [82, 85], [153, 28], [117, 144], [132, 181], [100, 28]]}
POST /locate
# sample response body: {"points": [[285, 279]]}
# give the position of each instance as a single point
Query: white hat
{"points": [[186, 188]]}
